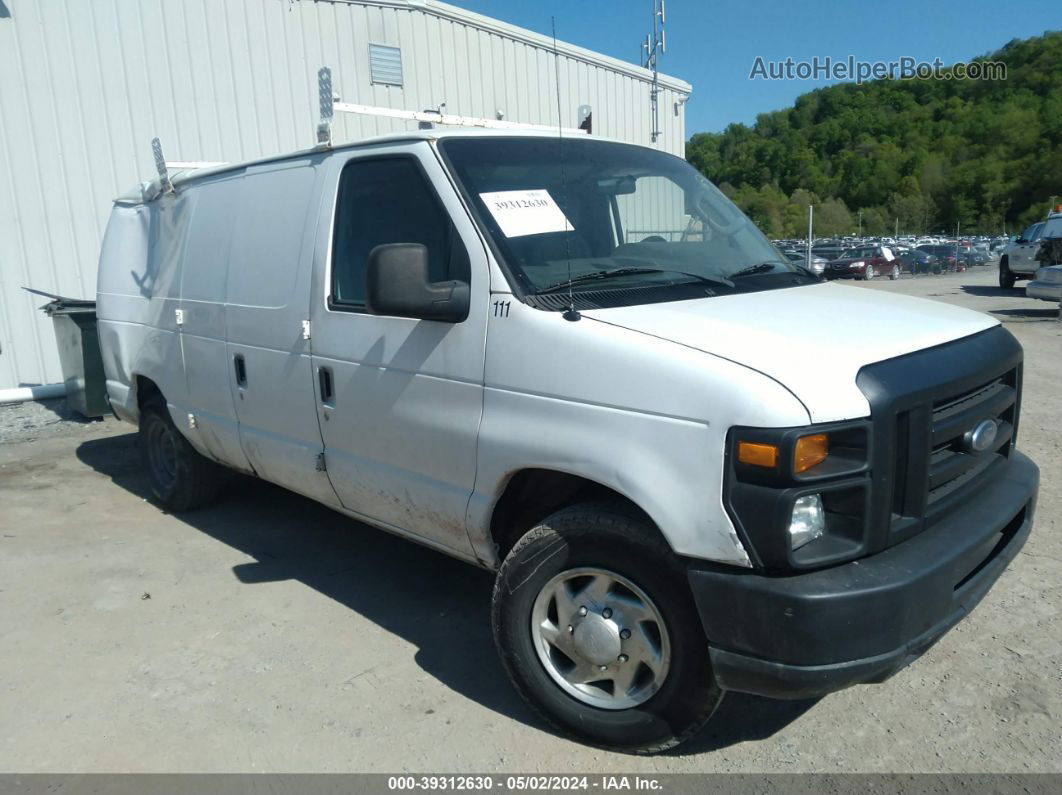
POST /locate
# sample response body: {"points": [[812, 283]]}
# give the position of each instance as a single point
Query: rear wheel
{"points": [[596, 627], [181, 479], [894, 274], [1006, 278]]}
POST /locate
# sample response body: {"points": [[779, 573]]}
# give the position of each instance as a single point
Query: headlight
{"points": [[799, 496], [808, 521], [858, 264], [810, 451]]}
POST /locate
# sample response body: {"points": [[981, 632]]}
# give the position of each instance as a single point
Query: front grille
{"points": [[934, 466], [952, 466], [923, 405]]}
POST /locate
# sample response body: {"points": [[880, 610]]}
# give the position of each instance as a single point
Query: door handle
{"points": [[324, 380], [241, 369]]}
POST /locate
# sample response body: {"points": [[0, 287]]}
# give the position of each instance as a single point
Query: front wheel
{"points": [[596, 627], [180, 477], [1006, 278], [868, 273]]}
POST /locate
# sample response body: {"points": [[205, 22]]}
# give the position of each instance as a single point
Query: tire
{"points": [[181, 479], [1006, 278], [868, 273], [894, 274], [596, 542]]}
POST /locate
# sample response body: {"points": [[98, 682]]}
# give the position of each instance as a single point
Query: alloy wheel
{"points": [[600, 638]]}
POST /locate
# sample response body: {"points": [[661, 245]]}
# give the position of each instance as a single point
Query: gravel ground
{"points": [[267, 633], [27, 422]]}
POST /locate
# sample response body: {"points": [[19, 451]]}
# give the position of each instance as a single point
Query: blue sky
{"points": [[713, 45]]}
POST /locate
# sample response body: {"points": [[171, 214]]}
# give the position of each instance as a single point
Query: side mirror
{"points": [[396, 283]]}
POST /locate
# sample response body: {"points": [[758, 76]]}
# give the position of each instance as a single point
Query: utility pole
{"points": [[860, 223], [811, 236], [957, 227], [655, 43]]}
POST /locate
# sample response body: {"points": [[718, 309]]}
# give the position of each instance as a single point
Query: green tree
{"points": [[926, 153]]}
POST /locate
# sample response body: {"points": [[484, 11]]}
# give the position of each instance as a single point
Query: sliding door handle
{"points": [[324, 381], [241, 370]]}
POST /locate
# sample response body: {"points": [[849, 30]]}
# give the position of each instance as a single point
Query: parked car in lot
{"points": [[828, 251], [918, 262], [693, 466], [970, 255], [985, 251], [1047, 285], [945, 256], [1018, 259], [864, 262], [817, 264]]}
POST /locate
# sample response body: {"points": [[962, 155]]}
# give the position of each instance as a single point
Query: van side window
{"points": [[388, 200]]}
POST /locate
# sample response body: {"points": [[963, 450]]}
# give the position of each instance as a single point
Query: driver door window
{"points": [[388, 200]]}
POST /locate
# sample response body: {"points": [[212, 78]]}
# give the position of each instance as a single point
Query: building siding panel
{"points": [[84, 87]]}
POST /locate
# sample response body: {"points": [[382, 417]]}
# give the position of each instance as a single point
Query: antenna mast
{"points": [[655, 43]]}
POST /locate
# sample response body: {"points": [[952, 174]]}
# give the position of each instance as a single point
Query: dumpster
{"points": [[79, 353]]}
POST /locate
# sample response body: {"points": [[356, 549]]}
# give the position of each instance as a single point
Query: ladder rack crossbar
{"points": [[435, 117]]}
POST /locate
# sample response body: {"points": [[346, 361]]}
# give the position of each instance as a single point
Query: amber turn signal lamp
{"points": [[757, 454], [810, 451]]}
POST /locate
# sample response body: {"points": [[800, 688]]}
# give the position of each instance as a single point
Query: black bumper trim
{"points": [[809, 634]]}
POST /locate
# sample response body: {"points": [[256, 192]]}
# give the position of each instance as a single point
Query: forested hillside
{"points": [[925, 153]]}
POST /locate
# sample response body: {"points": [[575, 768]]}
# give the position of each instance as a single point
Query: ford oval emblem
{"points": [[982, 437]]}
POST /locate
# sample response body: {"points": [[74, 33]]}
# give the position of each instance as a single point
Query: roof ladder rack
{"points": [[331, 104]]}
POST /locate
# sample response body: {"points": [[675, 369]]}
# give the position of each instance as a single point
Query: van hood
{"points": [[811, 339]]}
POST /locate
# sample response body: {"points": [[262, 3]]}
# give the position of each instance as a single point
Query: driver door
{"points": [[399, 399]]}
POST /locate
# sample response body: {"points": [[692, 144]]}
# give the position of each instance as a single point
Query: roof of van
{"points": [[151, 189]]}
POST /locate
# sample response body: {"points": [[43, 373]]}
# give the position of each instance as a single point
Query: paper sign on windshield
{"points": [[526, 212], [886, 252]]}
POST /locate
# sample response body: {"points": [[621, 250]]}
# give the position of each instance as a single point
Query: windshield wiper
{"points": [[806, 271], [752, 270], [598, 275]]}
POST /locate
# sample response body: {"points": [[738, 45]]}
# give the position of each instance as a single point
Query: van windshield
{"points": [[588, 215]]}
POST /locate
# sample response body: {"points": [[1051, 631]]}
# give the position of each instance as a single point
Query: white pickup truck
{"points": [[694, 466], [1018, 259]]}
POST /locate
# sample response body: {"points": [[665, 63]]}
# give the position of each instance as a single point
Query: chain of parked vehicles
{"points": [[1034, 256], [890, 257]]}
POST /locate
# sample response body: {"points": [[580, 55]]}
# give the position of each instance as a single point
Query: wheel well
{"points": [[145, 390], [533, 494]]}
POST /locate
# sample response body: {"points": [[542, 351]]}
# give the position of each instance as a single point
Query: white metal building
{"points": [[85, 86]]}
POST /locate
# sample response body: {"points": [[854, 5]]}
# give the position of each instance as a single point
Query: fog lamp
{"points": [[808, 521]]}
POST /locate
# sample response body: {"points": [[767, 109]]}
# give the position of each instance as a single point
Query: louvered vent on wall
{"points": [[385, 65]]}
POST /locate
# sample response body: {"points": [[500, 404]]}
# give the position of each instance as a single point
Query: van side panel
{"points": [[138, 293], [208, 372], [268, 289]]}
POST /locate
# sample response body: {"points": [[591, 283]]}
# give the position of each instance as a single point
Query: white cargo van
{"points": [[695, 466]]}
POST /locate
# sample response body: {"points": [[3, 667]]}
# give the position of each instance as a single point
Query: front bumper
{"points": [[848, 273], [804, 635], [1047, 291]]}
